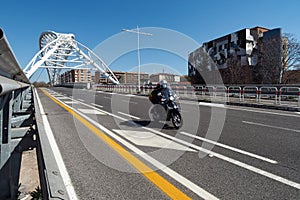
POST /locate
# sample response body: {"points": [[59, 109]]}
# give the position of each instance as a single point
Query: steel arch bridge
{"points": [[60, 51]]}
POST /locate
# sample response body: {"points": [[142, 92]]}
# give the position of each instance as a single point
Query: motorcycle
{"points": [[171, 111]]}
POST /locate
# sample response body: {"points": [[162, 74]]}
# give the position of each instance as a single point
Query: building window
{"points": [[220, 48], [225, 46]]}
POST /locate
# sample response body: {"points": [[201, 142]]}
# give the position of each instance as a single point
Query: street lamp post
{"points": [[139, 59]]}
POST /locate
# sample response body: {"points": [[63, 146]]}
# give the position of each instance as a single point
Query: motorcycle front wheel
{"points": [[176, 119]]}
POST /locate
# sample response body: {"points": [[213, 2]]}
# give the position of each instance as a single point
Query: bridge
{"points": [[100, 143]]}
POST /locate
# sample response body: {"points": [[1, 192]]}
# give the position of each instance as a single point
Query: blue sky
{"points": [[93, 22]]}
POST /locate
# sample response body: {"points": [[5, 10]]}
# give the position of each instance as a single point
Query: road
{"points": [[112, 150]]}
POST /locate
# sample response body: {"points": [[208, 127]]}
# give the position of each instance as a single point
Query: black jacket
{"points": [[155, 96]]}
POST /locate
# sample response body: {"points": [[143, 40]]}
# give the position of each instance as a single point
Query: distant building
{"points": [[76, 76], [248, 56], [170, 78], [123, 77], [291, 77]]}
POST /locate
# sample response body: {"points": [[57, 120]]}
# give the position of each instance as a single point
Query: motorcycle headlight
{"points": [[172, 98]]}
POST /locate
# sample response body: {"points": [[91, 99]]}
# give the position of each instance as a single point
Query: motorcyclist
{"points": [[166, 92], [164, 96], [161, 93]]}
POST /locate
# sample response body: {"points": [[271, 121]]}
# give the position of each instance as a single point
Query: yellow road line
{"points": [[168, 188]]}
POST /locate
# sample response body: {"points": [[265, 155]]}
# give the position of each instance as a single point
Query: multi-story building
{"points": [[76, 76], [247, 56], [123, 77], [170, 78]]}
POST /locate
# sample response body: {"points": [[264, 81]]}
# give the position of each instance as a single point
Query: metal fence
{"points": [[15, 111], [278, 95], [16, 119], [20, 131]]}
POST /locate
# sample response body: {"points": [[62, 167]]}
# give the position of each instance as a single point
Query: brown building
{"points": [[248, 56], [76, 76], [123, 77], [291, 77]]}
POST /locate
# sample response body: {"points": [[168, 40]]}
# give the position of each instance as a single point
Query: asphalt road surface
{"points": [[112, 149]]}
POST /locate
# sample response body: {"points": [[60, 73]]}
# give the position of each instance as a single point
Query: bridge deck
{"points": [[101, 136]]}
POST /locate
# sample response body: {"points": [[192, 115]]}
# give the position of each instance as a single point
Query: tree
{"points": [[270, 56], [40, 84], [234, 73], [291, 55]]}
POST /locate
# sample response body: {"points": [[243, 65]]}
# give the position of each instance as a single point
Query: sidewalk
{"points": [[29, 175]]}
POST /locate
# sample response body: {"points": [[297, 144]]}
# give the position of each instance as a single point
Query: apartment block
{"points": [[248, 56], [170, 78], [76, 76], [123, 77]]}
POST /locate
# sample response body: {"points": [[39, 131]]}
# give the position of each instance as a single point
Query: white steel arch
{"points": [[61, 51]]}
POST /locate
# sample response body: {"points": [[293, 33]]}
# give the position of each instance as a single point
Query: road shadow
{"points": [[10, 172], [147, 123]]}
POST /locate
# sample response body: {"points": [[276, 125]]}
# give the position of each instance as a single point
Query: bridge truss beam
{"points": [[61, 51]]}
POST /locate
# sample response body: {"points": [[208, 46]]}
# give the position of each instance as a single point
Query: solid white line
{"points": [[264, 112], [63, 97], [80, 99], [212, 104], [71, 102], [248, 110], [97, 105], [270, 126], [179, 178], [134, 117], [57, 155], [230, 148], [233, 161], [225, 158]]}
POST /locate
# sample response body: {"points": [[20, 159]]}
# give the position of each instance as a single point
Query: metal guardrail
{"points": [[234, 91], [289, 93], [250, 92], [86, 85], [16, 119], [268, 93], [20, 130], [257, 94]]}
